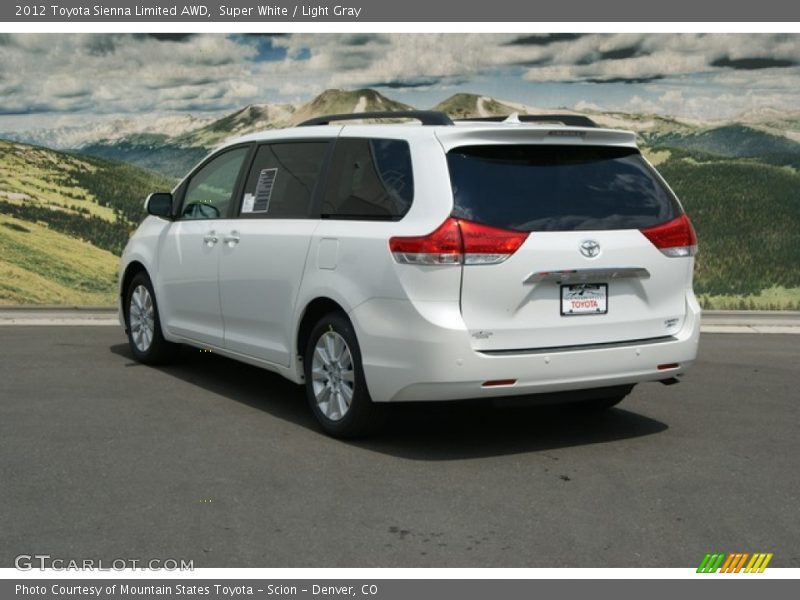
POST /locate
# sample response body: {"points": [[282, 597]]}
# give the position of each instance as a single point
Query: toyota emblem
{"points": [[590, 248]]}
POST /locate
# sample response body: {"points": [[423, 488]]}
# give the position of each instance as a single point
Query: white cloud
{"points": [[584, 106], [110, 74], [104, 74]]}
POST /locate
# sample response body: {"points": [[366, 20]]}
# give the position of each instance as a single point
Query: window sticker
{"points": [[248, 202], [266, 181]]}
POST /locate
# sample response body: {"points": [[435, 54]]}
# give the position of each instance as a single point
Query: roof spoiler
{"points": [[569, 120], [426, 117]]}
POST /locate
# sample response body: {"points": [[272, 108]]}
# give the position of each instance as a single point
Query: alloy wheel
{"points": [[141, 318], [332, 375]]}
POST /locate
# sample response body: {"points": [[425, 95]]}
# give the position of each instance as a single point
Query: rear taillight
{"points": [[674, 238], [457, 241], [443, 246], [484, 245]]}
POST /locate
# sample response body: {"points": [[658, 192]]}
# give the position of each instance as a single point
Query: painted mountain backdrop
{"points": [[69, 197]]}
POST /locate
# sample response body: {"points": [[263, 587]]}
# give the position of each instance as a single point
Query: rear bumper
{"points": [[421, 351]]}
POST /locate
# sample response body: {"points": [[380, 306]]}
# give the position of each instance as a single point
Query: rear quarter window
{"points": [[558, 188], [371, 179]]}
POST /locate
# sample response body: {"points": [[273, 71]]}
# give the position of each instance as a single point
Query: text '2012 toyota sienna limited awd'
{"points": [[438, 260]]}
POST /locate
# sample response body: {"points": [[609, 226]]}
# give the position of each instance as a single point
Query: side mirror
{"points": [[159, 204]]}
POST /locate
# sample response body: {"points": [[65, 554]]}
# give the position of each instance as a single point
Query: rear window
{"points": [[558, 188]]}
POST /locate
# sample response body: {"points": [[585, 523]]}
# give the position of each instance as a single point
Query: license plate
{"points": [[584, 299]]}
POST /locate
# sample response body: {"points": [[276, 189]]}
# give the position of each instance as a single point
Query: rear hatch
{"points": [[567, 245]]}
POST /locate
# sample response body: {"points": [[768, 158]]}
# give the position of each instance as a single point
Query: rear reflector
{"points": [[499, 382], [668, 366], [674, 238], [457, 241]]}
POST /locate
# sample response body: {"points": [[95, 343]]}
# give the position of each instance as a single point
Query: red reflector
{"points": [[677, 233], [498, 382], [668, 366]]}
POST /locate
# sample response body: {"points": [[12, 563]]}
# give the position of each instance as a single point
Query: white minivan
{"points": [[536, 256]]}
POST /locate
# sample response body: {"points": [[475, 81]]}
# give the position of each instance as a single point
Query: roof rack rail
{"points": [[570, 120], [426, 117]]}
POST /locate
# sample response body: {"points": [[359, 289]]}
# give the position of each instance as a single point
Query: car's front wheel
{"points": [[144, 327], [335, 385]]}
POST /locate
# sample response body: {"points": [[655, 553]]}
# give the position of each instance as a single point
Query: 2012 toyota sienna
{"points": [[439, 260]]}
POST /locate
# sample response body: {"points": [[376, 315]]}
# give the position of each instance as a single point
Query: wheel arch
{"points": [[131, 271], [312, 313]]}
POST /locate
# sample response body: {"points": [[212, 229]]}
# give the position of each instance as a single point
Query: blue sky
{"points": [[65, 79]]}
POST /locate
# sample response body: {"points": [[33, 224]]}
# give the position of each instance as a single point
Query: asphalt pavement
{"points": [[221, 463], [714, 321]]}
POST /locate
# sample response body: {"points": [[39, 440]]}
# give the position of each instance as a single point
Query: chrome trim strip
{"points": [[582, 275], [552, 349]]}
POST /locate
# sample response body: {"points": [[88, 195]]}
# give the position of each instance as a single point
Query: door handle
{"points": [[231, 239], [210, 238]]}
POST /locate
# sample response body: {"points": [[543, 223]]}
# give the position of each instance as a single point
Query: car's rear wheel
{"points": [[336, 388], [146, 341]]}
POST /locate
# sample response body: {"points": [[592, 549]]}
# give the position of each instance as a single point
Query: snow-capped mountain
{"points": [[172, 144], [254, 117], [78, 136], [465, 105], [332, 102]]}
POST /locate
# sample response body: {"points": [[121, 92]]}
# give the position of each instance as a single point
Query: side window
{"points": [[370, 179], [282, 180], [210, 190]]}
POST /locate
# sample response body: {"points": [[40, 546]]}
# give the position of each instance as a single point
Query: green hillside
{"points": [[156, 154], [747, 217], [63, 220], [729, 140], [41, 266]]}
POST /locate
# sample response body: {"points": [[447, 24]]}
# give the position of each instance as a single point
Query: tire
{"points": [[336, 388], [143, 324]]}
